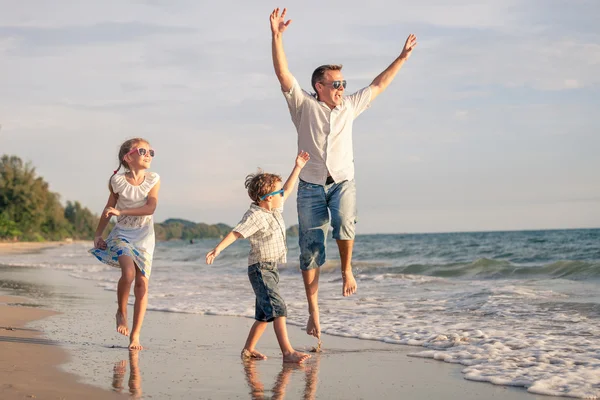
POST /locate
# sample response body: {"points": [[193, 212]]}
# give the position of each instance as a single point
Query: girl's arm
{"points": [[99, 243], [301, 161], [227, 240], [146, 209]]}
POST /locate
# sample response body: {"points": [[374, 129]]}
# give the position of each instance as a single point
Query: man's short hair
{"points": [[319, 73]]}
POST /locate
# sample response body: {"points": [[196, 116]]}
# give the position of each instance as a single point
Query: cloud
{"points": [[494, 113]]}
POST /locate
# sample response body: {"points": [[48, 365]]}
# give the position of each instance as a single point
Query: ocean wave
{"points": [[483, 268]]}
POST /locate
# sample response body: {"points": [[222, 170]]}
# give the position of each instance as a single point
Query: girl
{"points": [[130, 245]]}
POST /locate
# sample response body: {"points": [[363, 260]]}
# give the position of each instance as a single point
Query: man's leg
{"points": [[349, 283], [311, 286], [341, 199], [313, 221]]}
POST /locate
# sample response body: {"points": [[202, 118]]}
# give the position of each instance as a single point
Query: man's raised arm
{"points": [[278, 26], [382, 81]]}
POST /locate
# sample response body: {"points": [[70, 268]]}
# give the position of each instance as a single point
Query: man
{"points": [[324, 125]]}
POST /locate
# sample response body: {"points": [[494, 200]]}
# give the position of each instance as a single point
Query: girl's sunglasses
{"points": [[141, 151]]}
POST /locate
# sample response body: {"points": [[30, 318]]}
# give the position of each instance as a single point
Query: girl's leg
{"points": [[289, 354], [139, 309], [255, 333], [123, 288]]}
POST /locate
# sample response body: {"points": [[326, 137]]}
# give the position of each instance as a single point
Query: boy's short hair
{"points": [[260, 183]]}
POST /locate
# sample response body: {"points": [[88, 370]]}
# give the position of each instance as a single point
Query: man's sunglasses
{"points": [[336, 84], [272, 194], [141, 151]]}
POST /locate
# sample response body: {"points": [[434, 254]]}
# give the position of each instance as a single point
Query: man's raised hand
{"points": [[411, 43], [278, 24]]}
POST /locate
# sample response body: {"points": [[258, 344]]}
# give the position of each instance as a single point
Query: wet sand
{"points": [[28, 361]]}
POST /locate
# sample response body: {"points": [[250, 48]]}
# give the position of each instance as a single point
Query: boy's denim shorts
{"points": [[264, 277], [315, 203]]}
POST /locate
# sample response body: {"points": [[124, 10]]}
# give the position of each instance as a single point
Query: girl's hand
{"points": [[110, 211], [302, 159], [99, 243], [210, 257]]}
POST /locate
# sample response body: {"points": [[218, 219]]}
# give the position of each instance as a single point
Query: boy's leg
{"points": [[249, 350], [123, 288], [139, 309], [341, 199], [313, 221], [289, 354]]}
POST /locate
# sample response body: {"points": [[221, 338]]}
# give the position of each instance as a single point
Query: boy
{"points": [[263, 226]]}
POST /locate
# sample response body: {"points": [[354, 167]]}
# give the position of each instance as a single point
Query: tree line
{"points": [[29, 211]]}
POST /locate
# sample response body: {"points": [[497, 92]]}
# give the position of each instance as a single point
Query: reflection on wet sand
{"points": [[257, 388], [135, 377]]}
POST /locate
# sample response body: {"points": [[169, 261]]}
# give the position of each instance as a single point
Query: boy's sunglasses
{"points": [[336, 84], [141, 151], [272, 194]]}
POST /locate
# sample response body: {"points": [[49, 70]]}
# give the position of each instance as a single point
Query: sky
{"points": [[492, 124]]}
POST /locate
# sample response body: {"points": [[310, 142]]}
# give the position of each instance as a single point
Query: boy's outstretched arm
{"points": [[278, 26], [381, 82], [301, 161], [227, 240]]}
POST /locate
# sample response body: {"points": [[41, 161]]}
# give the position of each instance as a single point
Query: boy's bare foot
{"points": [[134, 343], [252, 354], [349, 286], [122, 324], [296, 357], [313, 327]]}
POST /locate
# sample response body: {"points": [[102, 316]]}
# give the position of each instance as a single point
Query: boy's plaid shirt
{"points": [[265, 230]]}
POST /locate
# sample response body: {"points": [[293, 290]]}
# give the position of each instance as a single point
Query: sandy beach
{"points": [[27, 247], [191, 356]]}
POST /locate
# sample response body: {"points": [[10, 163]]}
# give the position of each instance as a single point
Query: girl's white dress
{"points": [[131, 236]]}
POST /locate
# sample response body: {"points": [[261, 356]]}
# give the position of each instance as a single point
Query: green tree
{"points": [[8, 229], [84, 222]]}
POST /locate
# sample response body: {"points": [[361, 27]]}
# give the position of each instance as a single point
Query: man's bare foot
{"points": [[296, 357], [122, 324], [134, 343], [313, 327], [349, 286], [252, 354]]}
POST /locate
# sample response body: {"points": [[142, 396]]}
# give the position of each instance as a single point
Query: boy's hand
{"points": [[302, 159], [210, 257]]}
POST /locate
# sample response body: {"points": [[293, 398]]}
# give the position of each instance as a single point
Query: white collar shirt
{"points": [[326, 134]]}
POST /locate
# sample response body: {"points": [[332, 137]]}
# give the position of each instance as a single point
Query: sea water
{"points": [[515, 308]]}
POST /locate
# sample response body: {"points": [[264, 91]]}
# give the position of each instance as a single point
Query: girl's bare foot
{"points": [[122, 324], [312, 326], [252, 354], [349, 285], [134, 343], [295, 357]]}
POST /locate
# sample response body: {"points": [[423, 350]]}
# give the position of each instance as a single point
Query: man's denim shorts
{"points": [[315, 203], [264, 277]]}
